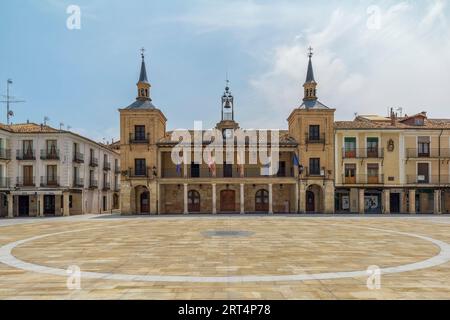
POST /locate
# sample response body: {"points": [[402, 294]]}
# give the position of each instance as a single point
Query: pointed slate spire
{"points": [[310, 73], [310, 85], [143, 75]]}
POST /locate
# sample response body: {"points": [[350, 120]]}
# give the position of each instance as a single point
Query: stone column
{"points": [[214, 207], [329, 205], [158, 197], [361, 202], [186, 199], [437, 202], [302, 198], [402, 202], [66, 209], [386, 201], [242, 199], [270, 199], [296, 207], [10, 206], [41, 205], [412, 201]]}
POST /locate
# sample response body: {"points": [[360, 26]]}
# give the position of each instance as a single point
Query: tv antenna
{"points": [[46, 119], [9, 100]]}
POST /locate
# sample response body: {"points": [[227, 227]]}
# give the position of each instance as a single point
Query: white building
{"points": [[45, 171]]}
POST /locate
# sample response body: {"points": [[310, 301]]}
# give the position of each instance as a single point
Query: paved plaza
{"points": [[225, 257]]}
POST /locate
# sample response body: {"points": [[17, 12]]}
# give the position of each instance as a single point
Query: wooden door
{"points": [[49, 204], [227, 200], [310, 201], [24, 206], [145, 202], [193, 201], [28, 176], [262, 201]]}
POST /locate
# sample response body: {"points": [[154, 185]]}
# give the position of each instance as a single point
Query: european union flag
{"points": [[295, 160]]}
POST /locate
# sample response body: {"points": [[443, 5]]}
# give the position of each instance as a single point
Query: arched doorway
{"points": [[227, 200], [193, 201], [142, 200], [262, 201], [145, 202], [314, 199]]}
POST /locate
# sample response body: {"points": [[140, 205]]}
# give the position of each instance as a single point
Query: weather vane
{"points": [[310, 51], [142, 52]]}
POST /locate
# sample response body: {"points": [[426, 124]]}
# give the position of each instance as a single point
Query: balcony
{"points": [[233, 172], [139, 138], [26, 181], [428, 179], [320, 139], [363, 153], [106, 186], [107, 166], [78, 182], [78, 157], [49, 154], [49, 181], [25, 154], [4, 183], [93, 184], [143, 173], [116, 187], [412, 153], [314, 173], [5, 154], [117, 169], [363, 179], [93, 162]]}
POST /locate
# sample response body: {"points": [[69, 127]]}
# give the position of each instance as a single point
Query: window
{"points": [[372, 169], [372, 147], [423, 146], [419, 121], [76, 147], [227, 170], [350, 147], [51, 174], [282, 169], [195, 170], [140, 168], [27, 148], [51, 147], [350, 170], [314, 166], [139, 133], [262, 196], [314, 132]]}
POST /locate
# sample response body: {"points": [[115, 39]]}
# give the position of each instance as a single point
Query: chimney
{"points": [[393, 118]]}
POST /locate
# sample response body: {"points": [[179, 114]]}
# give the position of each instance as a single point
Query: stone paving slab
{"points": [[244, 246]]}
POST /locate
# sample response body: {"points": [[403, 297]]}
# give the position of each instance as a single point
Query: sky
{"points": [[369, 56]]}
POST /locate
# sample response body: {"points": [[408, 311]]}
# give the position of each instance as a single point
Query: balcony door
{"points": [[373, 173], [350, 173], [423, 173], [28, 176], [372, 147], [227, 170], [350, 147], [51, 149], [52, 179], [423, 147]]}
